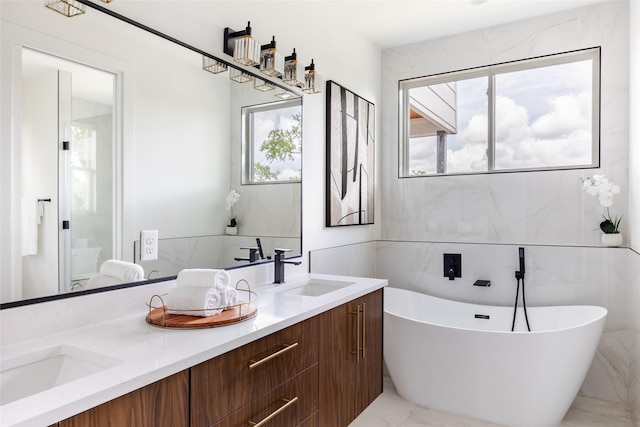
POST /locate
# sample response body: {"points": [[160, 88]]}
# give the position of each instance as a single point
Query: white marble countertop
{"points": [[150, 353]]}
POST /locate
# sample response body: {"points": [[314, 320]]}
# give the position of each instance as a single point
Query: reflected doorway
{"points": [[68, 172]]}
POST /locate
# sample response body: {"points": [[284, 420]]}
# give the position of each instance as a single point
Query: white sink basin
{"points": [[315, 287], [39, 371]]}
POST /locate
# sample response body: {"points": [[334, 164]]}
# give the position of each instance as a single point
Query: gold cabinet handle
{"points": [[364, 334], [275, 413], [287, 347], [358, 349]]}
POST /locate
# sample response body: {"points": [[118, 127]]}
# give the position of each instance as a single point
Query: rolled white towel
{"points": [[194, 301], [229, 296], [122, 270], [204, 277], [100, 280]]}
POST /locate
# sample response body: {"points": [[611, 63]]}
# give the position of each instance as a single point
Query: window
{"points": [[83, 168], [272, 135], [535, 114]]}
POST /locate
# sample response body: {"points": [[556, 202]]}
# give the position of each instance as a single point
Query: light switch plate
{"points": [[148, 245]]}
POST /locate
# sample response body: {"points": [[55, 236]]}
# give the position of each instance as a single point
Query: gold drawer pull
{"points": [[276, 412], [364, 333], [358, 313], [254, 364]]}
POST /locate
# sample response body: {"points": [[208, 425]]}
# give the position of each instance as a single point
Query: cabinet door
{"points": [[337, 364], [369, 377], [163, 403], [224, 384], [350, 359]]}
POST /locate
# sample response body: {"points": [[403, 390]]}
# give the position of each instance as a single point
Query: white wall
{"points": [[264, 209], [634, 128], [634, 207], [338, 54], [521, 208], [485, 218], [40, 179], [174, 136], [158, 197]]}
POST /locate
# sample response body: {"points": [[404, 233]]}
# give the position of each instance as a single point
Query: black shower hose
{"points": [[524, 305]]}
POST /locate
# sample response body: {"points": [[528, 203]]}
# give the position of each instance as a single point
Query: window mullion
{"points": [[491, 125], [441, 152]]}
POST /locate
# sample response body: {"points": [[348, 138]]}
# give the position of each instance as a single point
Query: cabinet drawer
{"points": [[289, 405], [222, 385]]}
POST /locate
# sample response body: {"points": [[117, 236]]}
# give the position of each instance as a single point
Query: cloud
{"points": [[562, 136], [568, 114]]}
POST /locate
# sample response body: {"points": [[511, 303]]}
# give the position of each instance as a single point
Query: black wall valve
{"points": [[452, 266]]}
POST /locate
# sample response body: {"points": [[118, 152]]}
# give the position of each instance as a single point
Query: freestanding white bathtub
{"points": [[441, 355]]}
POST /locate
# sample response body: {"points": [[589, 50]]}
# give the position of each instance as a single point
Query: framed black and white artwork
{"points": [[350, 157]]}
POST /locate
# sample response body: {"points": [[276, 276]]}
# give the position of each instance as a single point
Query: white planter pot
{"points": [[231, 230], [611, 239]]}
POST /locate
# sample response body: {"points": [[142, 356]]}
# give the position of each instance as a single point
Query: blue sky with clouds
{"points": [[543, 118]]}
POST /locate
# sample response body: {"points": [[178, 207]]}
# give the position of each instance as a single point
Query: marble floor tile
{"points": [[390, 410]]}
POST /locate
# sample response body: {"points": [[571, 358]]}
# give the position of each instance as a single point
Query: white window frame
{"points": [[248, 142], [491, 71]]}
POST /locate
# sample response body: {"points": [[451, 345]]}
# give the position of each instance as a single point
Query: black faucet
{"points": [[280, 261], [253, 255]]}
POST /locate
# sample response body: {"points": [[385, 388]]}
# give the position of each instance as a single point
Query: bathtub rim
{"points": [[602, 314]]}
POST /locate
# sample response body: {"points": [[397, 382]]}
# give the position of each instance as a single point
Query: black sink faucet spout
{"points": [[280, 261]]}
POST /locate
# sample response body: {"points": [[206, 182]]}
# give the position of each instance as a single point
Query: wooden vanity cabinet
{"points": [[228, 382], [323, 371], [350, 359], [164, 403]]}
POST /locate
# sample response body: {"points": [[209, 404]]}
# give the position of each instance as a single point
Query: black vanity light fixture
{"points": [[213, 65], [66, 7], [312, 80], [240, 76], [271, 61], [244, 48], [293, 71], [263, 85], [248, 52]]}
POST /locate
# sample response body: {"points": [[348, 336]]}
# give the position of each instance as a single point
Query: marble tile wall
{"points": [[350, 260], [634, 335], [209, 252], [536, 208], [487, 217]]}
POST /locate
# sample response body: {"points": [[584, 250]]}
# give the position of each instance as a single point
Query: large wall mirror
{"points": [[116, 130]]}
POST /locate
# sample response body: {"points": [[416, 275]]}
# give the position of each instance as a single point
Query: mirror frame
{"points": [[60, 296]]}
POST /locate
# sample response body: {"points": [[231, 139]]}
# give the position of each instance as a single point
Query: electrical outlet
{"points": [[148, 245]]}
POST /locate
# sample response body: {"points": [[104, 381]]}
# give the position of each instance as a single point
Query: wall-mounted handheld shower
{"points": [[520, 273], [259, 244], [520, 276]]}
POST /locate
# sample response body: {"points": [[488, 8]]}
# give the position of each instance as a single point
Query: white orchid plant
{"points": [[600, 186], [232, 199]]}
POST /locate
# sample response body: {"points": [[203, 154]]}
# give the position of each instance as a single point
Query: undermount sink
{"points": [[315, 287], [40, 371]]}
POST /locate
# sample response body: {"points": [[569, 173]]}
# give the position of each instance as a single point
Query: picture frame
{"points": [[350, 157]]}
